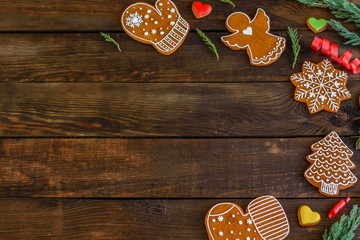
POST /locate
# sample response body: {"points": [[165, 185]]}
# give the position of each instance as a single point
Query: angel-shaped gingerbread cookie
{"points": [[262, 47]]}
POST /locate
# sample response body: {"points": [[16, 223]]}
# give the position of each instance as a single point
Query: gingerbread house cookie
{"points": [[161, 26], [264, 219], [262, 47]]}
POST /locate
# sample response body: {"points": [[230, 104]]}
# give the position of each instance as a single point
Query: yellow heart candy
{"points": [[307, 217]]}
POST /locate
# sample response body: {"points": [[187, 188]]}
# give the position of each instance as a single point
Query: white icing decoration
{"points": [[221, 233], [214, 220], [146, 23], [161, 33], [172, 23], [172, 10], [248, 229], [146, 16], [153, 31], [321, 87], [156, 22], [148, 11], [146, 33], [134, 20], [247, 238], [247, 31], [220, 219], [169, 16], [160, 4], [249, 221], [233, 215], [232, 232], [240, 222]]}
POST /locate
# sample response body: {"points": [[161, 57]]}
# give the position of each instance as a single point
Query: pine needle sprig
{"points": [[293, 34], [345, 227], [339, 8], [352, 37], [229, 2], [357, 144], [110, 39], [207, 41]]}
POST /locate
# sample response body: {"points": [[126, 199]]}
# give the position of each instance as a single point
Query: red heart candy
{"points": [[201, 10]]}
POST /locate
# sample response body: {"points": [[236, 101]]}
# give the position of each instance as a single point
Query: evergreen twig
{"points": [[207, 41], [352, 37], [293, 34], [345, 227], [358, 143], [110, 39], [339, 8], [229, 2]]}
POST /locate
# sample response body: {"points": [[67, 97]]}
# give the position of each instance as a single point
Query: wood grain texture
{"points": [[160, 168], [35, 219], [177, 110], [96, 15], [84, 57]]}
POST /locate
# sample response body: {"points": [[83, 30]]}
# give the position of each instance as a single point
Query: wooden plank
{"points": [[159, 168], [96, 15], [88, 58], [135, 219], [177, 110]]}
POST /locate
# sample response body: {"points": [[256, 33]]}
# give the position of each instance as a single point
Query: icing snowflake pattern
{"points": [[134, 20], [321, 86]]}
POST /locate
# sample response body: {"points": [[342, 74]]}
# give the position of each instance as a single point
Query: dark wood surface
{"points": [[98, 144]]}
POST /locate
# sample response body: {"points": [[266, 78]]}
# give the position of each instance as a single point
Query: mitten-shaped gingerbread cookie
{"points": [[264, 219], [262, 47], [161, 27]]}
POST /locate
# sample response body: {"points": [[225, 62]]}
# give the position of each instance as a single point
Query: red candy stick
{"points": [[330, 48], [337, 208]]}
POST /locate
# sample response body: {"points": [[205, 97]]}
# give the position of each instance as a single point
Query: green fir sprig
{"points": [[357, 144], [352, 37], [110, 39], [293, 34], [229, 2], [207, 41], [339, 8], [345, 227]]}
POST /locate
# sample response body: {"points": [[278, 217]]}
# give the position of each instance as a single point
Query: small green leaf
{"points": [[229, 2]]}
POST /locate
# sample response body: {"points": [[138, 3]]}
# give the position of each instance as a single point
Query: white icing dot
{"points": [[146, 33], [169, 16], [247, 238], [240, 222], [214, 220], [146, 23], [146, 16], [140, 8], [148, 11], [127, 11], [233, 215], [156, 22], [231, 232], [133, 31], [161, 33], [248, 229], [160, 4], [221, 233], [229, 222]]}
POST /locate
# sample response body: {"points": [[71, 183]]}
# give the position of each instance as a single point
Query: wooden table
{"points": [[98, 144]]}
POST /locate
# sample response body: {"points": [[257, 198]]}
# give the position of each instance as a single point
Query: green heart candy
{"points": [[317, 24]]}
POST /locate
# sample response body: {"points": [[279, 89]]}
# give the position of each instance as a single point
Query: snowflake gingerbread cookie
{"points": [[330, 166], [264, 219], [161, 26], [262, 47], [320, 86]]}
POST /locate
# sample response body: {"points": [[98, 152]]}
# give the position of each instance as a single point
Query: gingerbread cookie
{"points": [[307, 217], [162, 26], [320, 86], [201, 10], [317, 25], [330, 166], [262, 47], [264, 219]]}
